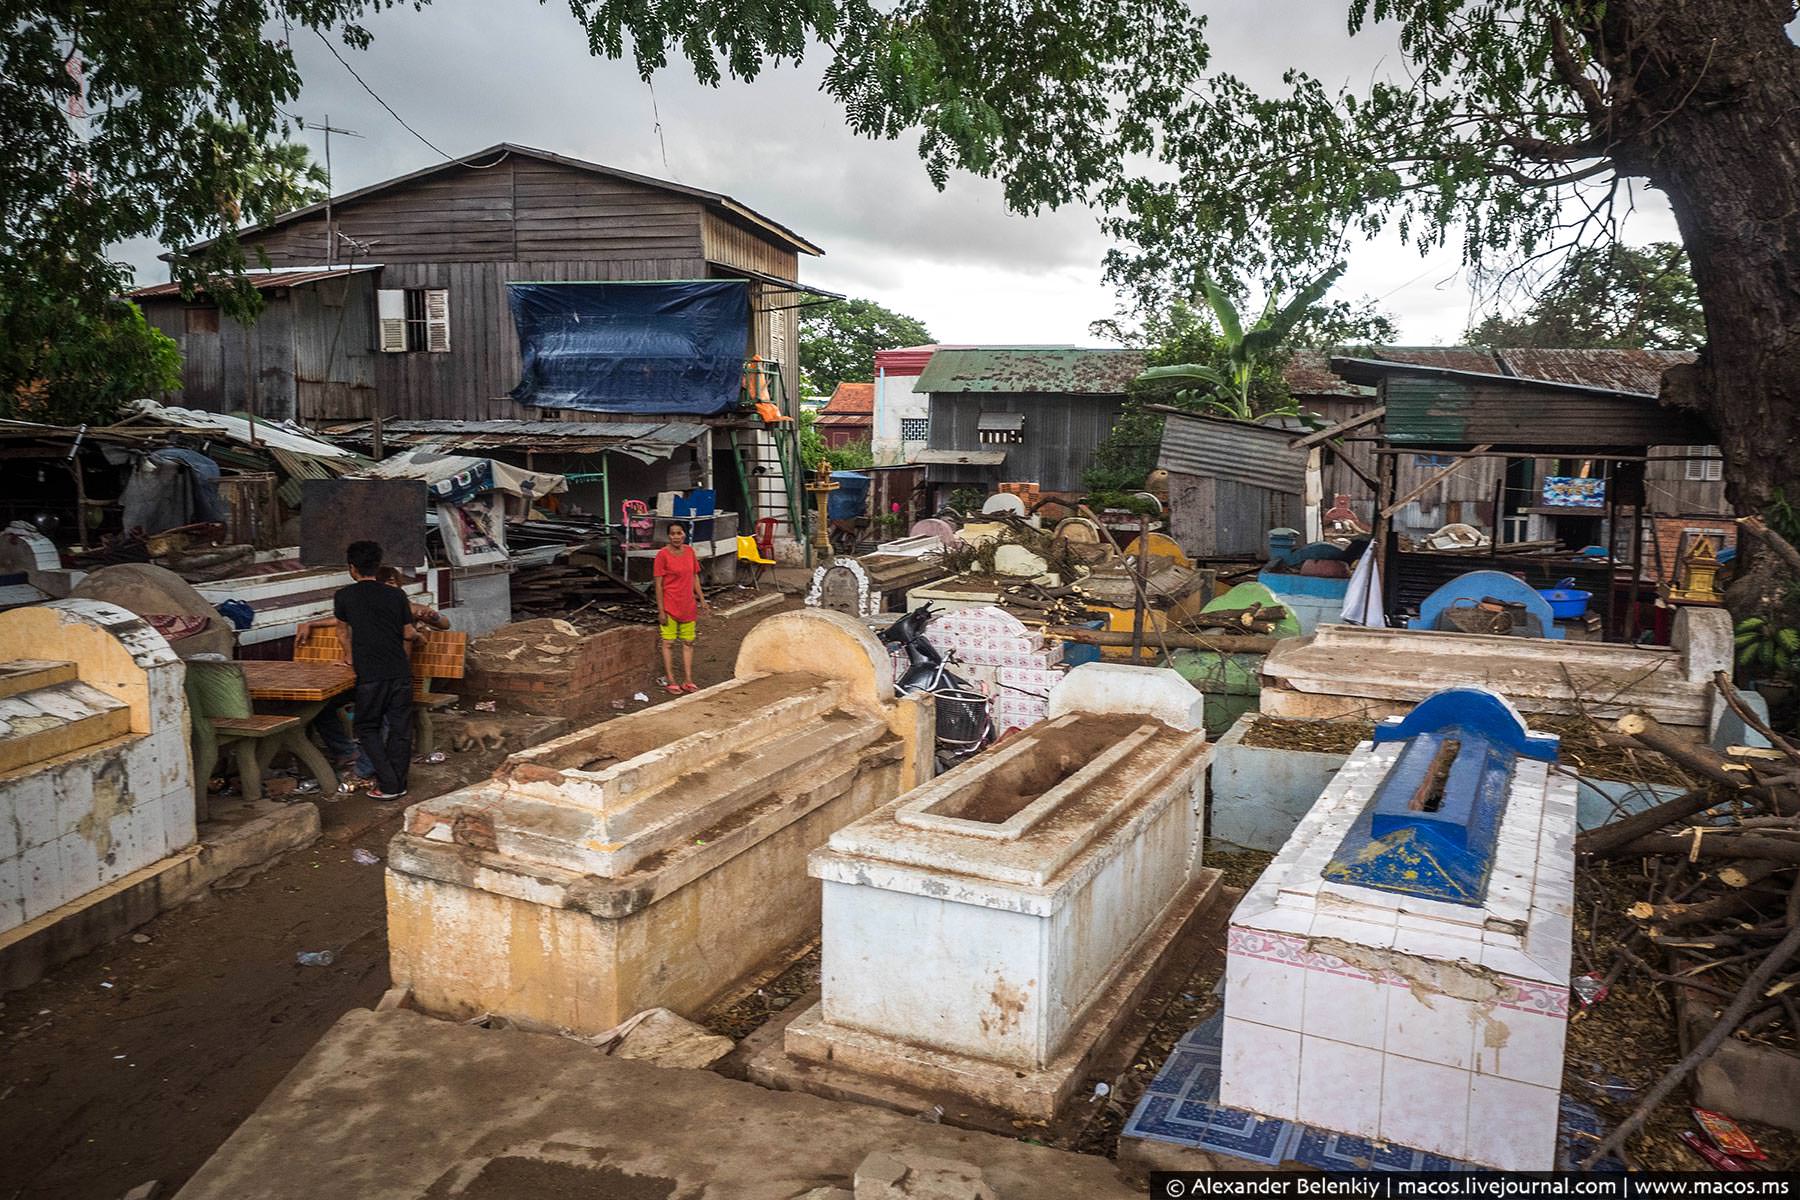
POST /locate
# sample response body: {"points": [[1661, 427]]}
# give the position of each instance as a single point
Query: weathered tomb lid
{"points": [[1430, 828]]}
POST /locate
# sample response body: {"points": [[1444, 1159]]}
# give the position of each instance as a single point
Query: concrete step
{"points": [[48, 722]]}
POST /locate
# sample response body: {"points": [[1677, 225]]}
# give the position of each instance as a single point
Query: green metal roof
{"points": [[1041, 370]]}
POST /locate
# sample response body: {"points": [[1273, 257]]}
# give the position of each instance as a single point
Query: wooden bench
{"points": [[221, 718], [442, 655]]}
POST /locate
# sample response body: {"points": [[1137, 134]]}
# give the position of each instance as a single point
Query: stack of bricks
{"points": [[609, 665], [1026, 492], [1008, 659]]}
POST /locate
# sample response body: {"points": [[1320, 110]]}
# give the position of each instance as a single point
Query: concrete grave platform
{"points": [[986, 934], [656, 860], [397, 1106], [1347, 670]]}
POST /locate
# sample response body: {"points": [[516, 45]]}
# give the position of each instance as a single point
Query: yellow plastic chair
{"points": [[750, 553]]}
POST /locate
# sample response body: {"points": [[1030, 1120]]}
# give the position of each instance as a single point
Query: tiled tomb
{"points": [[96, 777], [657, 859], [1401, 970], [985, 933]]}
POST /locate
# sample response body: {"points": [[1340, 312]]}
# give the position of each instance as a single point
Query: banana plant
{"points": [[1228, 392], [1763, 646]]}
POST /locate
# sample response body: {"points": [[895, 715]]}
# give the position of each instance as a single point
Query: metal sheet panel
{"points": [[1233, 451]]}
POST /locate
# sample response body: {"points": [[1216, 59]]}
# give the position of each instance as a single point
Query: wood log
{"points": [[1720, 843], [1705, 762], [1609, 839], [1702, 760], [1224, 643], [1749, 997], [1680, 916]]}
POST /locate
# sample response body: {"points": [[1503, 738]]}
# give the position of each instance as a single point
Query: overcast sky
{"points": [[470, 73]]}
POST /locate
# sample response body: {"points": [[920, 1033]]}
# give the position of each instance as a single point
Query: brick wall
{"points": [[1663, 537], [611, 665]]}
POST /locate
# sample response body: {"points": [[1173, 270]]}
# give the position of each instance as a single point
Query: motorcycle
{"points": [[964, 725]]}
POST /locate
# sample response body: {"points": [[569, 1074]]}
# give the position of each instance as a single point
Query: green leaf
{"points": [[1224, 310], [1184, 371]]}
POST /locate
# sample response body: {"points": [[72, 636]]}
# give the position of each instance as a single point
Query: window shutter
{"points": [[390, 315], [437, 320], [1709, 468], [778, 337]]}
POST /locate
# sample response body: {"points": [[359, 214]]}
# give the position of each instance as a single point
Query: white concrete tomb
{"points": [[985, 933], [1401, 970]]}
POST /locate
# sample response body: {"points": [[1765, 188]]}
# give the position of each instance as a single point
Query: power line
{"points": [[390, 108]]}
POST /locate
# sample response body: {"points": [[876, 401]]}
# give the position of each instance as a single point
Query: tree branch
{"points": [[1567, 66]]}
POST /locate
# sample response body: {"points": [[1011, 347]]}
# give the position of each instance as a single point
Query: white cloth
{"points": [[1362, 601]]}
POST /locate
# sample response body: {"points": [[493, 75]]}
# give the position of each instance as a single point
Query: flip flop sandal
{"points": [[690, 687], [674, 689]]}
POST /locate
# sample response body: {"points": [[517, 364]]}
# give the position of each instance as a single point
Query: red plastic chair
{"points": [[765, 535]]}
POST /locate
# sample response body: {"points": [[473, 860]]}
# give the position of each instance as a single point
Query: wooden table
{"points": [[299, 689]]}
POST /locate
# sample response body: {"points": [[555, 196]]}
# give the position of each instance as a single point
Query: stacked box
{"points": [[1008, 658]]}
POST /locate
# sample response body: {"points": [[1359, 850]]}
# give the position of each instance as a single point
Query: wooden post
{"points": [[375, 437], [1141, 570]]}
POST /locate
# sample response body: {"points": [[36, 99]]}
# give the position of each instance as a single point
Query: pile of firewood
{"points": [[1721, 922]]}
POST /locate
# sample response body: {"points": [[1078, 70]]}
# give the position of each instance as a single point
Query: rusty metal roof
{"points": [[1032, 370], [646, 441], [1309, 373], [1628, 370], [262, 281], [1450, 358]]}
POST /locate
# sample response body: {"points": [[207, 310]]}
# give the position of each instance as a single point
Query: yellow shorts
{"points": [[673, 630]]}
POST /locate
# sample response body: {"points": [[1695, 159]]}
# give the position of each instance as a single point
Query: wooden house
{"points": [[392, 300]]}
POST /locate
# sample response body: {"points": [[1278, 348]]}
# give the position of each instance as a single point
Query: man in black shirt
{"points": [[380, 621]]}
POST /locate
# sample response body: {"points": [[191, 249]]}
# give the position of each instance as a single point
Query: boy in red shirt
{"points": [[678, 601]]}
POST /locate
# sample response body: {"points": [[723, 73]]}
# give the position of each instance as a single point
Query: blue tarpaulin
{"points": [[632, 347]]}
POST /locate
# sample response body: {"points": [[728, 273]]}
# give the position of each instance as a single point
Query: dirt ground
{"points": [[135, 1062]]}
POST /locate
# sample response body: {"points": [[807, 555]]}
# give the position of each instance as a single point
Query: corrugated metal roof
{"points": [[269, 435], [1372, 370], [1238, 451], [1309, 373], [1034, 371], [1450, 358], [262, 281], [1626, 370], [646, 441]]}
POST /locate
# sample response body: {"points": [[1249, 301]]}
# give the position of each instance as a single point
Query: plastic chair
{"points": [[751, 555], [639, 527], [765, 535]]}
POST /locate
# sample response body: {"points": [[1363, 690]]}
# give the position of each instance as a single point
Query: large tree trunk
{"points": [[1706, 105]]}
